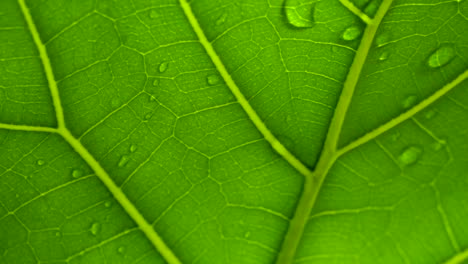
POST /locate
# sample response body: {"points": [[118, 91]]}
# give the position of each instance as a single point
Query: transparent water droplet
{"points": [[40, 162], [441, 56], [58, 234], [410, 101], [77, 173], [155, 82], [221, 19], [298, 14], [163, 66], [410, 155], [212, 79], [107, 204], [153, 14], [123, 160], [430, 114], [247, 234], [382, 39], [133, 148], [121, 250], [147, 116], [384, 56], [95, 228], [439, 144], [351, 33]]}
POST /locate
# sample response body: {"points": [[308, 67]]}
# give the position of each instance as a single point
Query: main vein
{"points": [[329, 153], [251, 113], [120, 196], [45, 63]]}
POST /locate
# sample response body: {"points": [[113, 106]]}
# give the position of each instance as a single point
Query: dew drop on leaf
{"points": [[221, 19], [383, 56], [163, 67], [212, 79], [155, 82], [410, 155], [40, 162], [76, 173], [441, 57], [133, 148], [298, 14], [95, 228], [107, 204], [351, 33], [147, 116], [430, 114], [58, 234], [121, 250], [247, 234], [123, 160], [409, 101]]}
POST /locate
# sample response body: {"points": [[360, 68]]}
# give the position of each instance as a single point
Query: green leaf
{"points": [[216, 131]]}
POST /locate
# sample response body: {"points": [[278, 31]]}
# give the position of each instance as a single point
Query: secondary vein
{"points": [[329, 153], [251, 113], [45, 63]]}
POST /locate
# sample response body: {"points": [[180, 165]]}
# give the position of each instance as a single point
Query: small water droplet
{"points": [[77, 173], [163, 67], [351, 33], [147, 116], [298, 14], [115, 102], [430, 114], [153, 14], [133, 148], [58, 234], [40, 162], [383, 56], [410, 155], [95, 228], [155, 82], [107, 204], [441, 57], [409, 101], [123, 160], [221, 19], [212, 79], [121, 250], [247, 234], [382, 39]]}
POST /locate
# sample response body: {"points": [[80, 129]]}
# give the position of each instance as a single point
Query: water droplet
{"points": [[409, 101], [298, 14], [147, 116], [107, 204], [247, 234], [212, 79], [58, 234], [382, 39], [410, 155], [121, 250], [441, 57], [163, 67], [153, 14], [95, 228], [133, 148], [430, 114], [383, 56], [155, 82], [351, 33], [152, 98], [40, 162], [439, 144], [221, 19], [77, 173], [123, 161], [115, 102]]}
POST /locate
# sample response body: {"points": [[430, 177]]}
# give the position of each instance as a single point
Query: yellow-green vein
{"points": [[329, 152], [28, 128], [459, 258], [256, 120]]}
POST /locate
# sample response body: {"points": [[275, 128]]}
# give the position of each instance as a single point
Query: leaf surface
{"points": [[298, 131]]}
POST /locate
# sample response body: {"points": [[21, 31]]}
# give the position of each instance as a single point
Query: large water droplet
{"points": [[77, 173], [95, 228], [410, 155], [40, 162], [298, 14], [409, 101], [123, 160], [163, 67], [351, 33], [441, 57], [221, 19], [212, 79]]}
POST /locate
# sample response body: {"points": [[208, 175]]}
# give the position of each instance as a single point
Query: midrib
{"points": [[120, 196]]}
